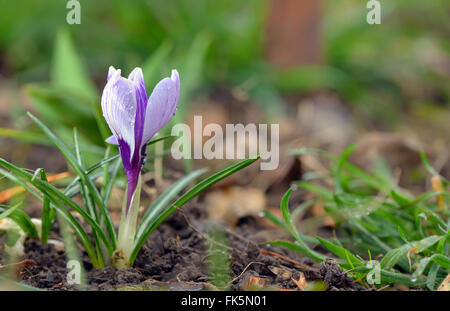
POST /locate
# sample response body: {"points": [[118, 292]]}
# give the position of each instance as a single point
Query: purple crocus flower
{"points": [[134, 119]]}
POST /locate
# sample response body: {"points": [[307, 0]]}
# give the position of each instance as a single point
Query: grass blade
{"points": [[190, 194], [83, 176], [394, 255], [56, 198], [342, 160], [8, 210], [17, 215], [165, 198], [45, 216], [439, 259], [301, 249], [340, 252], [88, 200]]}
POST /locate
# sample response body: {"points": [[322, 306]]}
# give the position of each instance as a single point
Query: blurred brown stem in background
{"points": [[293, 32]]}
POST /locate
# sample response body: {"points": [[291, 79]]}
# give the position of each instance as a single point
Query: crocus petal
{"points": [[119, 109], [162, 105], [133, 119], [111, 72], [137, 78], [112, 140]]}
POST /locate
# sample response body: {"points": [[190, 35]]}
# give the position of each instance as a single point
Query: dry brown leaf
{"points": [[401, 152], [268, 223], [287, 290], [256, 282], [9, 193], [301, 282], [411, 251], [445, 286], [317, 210], [279, 271], [230, 204], [19, 266], [436, 184]]}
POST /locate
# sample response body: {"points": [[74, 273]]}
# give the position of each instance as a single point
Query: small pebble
{"points": [[50, 277]]}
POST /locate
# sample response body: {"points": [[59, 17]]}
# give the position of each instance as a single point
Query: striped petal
{"points": [[112, 140], [111, 72], [161, 106], [119, 109], [137, 78]]}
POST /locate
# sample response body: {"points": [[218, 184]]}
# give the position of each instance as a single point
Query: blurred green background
{"points": [[380, 71]]}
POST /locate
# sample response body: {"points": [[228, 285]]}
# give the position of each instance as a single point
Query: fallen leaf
{"points": [[445, 286], [287, 290], [58, 245], [301, 282], [255, 282], [274, 211], [19, 266], [436, 184], [317, 210], [281, 272], [413, 250], [230, 204], [11, 192]]}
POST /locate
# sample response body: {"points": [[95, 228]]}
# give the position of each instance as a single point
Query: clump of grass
{"points": [[101, 244], [406, 235]]}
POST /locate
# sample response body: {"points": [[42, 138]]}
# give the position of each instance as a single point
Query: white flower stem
{"points": [[127, 229]]}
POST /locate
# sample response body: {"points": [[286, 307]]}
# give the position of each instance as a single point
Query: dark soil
{"points": [[177, 256]]}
